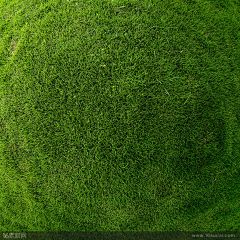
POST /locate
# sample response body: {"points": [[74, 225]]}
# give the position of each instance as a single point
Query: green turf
{"points": [[119, 115]]}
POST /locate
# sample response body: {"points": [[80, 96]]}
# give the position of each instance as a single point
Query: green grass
{"points": [[120, 115]]}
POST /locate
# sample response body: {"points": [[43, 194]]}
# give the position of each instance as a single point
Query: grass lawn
{"points": [[119, 115]]}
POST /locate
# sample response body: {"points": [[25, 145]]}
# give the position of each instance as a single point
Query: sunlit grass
{"points": [[119, 115]]}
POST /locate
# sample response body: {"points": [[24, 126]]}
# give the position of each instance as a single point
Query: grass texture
{"points": [[119, 115]]}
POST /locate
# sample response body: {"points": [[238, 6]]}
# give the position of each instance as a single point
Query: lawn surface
{"points": [[119, 115]]}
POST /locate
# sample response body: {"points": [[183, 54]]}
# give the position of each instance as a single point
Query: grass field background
{"points": [[119, 115]]}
